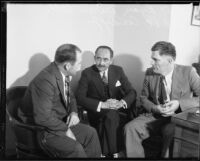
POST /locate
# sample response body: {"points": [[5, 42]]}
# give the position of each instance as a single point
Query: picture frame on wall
{"points": [[195, 15]]}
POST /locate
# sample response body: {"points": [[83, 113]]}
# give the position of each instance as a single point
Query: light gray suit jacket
{"points": [[185, 83]]}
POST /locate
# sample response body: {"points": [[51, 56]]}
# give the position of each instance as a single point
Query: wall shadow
{"points": [[132, 66], [36, 63], [87, 60]]}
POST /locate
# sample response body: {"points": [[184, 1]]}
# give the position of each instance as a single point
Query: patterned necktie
{"points": [[67, 89], [162, 91], [104, 78]]}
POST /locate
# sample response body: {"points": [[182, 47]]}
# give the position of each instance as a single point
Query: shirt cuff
{"points": [[99, 107], [124, 104]]}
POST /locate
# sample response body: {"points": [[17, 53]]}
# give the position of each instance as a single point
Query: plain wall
{"points": [[34, 31]]}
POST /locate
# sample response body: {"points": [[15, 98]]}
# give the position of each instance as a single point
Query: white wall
{"points": [[183, 35], [35, 31]]}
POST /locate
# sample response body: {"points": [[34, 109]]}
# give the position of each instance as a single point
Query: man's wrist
{"points": [[74, 113]]}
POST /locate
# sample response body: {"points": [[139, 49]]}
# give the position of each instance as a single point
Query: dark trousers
{"points": [[143, 127], [86, 144], [109, 125]]}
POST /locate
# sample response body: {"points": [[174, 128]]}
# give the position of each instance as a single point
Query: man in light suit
{"points": [[49, 102], [179, 84], [105, 92]]}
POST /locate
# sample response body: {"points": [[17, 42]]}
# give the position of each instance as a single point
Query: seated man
{"points": [[105, 92], [49, 102], [167, 90]]}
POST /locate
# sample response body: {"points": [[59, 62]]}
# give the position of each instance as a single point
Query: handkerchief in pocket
{"points": [[117, 84]]}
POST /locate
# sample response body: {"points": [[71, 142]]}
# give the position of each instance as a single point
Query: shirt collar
{"points": [[169, 75], [63, 76], [106, 73]]}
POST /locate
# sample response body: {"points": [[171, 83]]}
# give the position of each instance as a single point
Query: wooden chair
{"points": [[29, 144]]}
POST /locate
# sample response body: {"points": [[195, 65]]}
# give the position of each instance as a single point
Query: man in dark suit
{"points": [[49, 102], [105, 92], [167, 90]]}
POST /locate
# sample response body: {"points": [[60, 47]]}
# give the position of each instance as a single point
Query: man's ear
{"points": [[67, 66], [170, 60]]}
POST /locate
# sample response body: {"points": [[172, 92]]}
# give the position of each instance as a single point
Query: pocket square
{"points": [[117, 84]]}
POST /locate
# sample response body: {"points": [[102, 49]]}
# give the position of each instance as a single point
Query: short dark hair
{"points": [[66, 52], [105, 47], [165, 48]]}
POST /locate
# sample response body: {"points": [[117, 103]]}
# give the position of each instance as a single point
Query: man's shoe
{"points": [[121, 154]]}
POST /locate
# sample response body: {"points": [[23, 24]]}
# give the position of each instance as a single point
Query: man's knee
{"points": [[79, 151], [129, 127], [168, 130], [111, 115]]}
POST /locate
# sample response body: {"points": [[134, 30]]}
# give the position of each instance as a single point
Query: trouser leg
{"points": [[88, 138], [167, 134], [64, 147], [135, 132], [110, 132]]}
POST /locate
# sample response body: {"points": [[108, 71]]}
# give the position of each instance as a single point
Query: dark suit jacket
{"points": [[44, 103], [90, 89], [185, 82]]}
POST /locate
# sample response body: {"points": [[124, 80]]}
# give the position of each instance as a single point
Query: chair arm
{"points": [[82, 113], [27, 126]]}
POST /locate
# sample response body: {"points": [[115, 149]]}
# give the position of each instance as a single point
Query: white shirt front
{"points": [[168, 84]]}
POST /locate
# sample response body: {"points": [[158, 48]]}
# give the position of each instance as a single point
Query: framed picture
{"points": [[195, 15]]}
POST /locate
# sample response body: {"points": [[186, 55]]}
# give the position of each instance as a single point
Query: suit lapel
{"points": [[98, 81], [175, 89], [111, 79], [60, 83]]}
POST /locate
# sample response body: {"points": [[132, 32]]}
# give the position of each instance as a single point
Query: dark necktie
{"points": [[105, 84], [162, 91], [67, 89], [104, 78]]}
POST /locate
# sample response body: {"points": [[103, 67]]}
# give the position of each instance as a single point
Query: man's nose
{"points": [[101, 62]]}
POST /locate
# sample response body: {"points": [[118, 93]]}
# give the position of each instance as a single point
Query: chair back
{"points": [[26, 136]]}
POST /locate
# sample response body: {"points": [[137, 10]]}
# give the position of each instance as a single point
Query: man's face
{"points": [[103, 59], [160, 63], [76, 66]]}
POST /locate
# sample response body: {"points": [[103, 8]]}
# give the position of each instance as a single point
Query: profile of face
{"points": [[160, 63], [103, 59], [72, 69]]}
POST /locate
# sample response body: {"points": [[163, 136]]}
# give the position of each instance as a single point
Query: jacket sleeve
{"points": [[73, 104], [81, 94], [129, 93], [42, 93], [145, 100], [194, 84]]}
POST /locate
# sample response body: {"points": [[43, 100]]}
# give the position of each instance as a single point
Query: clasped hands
{"points": [[169, 108], [112, 104]]}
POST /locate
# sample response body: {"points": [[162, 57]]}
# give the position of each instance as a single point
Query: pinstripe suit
{"points": [[44, 104]]}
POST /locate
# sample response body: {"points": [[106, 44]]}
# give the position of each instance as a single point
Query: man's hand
{"points": [[170, 108], [72, 119], [105, 105], [113, 103], [70, 134]]}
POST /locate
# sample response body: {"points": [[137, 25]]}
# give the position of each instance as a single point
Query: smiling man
{"points": [[167, 89], [105, 92]]}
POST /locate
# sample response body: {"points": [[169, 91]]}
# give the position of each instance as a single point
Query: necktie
{"points": [[104, 78], [105, 84], [162, 91], [67, 89]]}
